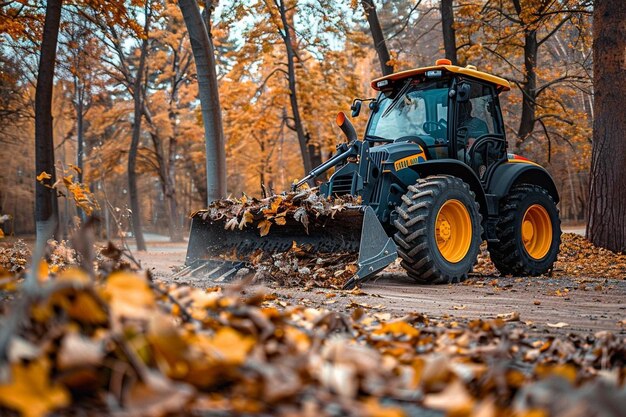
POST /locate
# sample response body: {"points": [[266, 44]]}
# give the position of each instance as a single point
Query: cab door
{"points": [[479, 130]]}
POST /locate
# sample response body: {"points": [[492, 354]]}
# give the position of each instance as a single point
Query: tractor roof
{"points": [[445, 65]]}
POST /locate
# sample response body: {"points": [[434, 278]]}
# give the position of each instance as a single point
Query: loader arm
{"points": [[353, 150]]}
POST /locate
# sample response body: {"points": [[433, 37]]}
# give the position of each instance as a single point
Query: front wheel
{"points": [[439, 229], [529, 232]]}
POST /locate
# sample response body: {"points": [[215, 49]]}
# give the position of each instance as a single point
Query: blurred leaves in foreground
{"points": [[118, 343]]}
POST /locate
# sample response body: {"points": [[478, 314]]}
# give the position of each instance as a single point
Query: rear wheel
{"points": [[529, 232], [439, 230]]}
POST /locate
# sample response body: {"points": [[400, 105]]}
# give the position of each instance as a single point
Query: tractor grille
{"points": [[342, 185], [377, 159]]}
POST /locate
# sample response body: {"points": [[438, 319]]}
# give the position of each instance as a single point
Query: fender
{"points": [[457, 169], [510, 174]]}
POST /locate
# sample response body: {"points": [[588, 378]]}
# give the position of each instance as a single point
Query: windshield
{"points": [[416, 110]]}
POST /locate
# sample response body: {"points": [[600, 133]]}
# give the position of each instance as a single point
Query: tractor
{"points": [[434, 179]]}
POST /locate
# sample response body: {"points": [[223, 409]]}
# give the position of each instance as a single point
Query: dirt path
{"points": [[584, 305]]}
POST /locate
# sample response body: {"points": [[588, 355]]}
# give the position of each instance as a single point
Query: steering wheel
{"points": [[437, 126]]}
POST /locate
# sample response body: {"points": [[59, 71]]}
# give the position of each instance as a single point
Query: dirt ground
{"points": [[545, 305]]}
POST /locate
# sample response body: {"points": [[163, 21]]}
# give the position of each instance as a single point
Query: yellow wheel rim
{"points": [[536, 231], [453, 231]]}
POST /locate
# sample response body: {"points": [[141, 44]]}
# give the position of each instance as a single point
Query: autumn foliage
{"points": [[333, 61]]}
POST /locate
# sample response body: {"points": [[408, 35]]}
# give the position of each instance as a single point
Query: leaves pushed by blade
{"points": [[275, 210]]}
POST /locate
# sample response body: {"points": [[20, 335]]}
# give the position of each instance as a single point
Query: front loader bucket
{"points": [[218, 253]]}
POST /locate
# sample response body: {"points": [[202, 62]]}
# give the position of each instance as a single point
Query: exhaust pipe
{"points": [[346, 126]]}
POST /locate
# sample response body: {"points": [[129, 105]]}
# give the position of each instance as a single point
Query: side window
{"points": [[483, 110]]}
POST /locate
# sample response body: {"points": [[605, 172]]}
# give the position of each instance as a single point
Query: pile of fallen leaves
{"points": [[300, 267], [578, 258], [312, 261], [13, 257], [120, 344], [264, 213]]}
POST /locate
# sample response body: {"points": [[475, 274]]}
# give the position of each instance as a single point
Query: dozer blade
{"points": [[218, 254]]}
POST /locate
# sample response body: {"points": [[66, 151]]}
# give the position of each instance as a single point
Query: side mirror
{"points": [[463, 92], [373, 106], [356, 107]]}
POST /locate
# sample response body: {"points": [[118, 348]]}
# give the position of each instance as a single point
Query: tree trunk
{"points": [[529, 89], [607, 185], [79, 139], [303, 140], [134, 144], [166, 169], [176, 231], [46, 205], [447, 29], [377, 36], [204, 57]]}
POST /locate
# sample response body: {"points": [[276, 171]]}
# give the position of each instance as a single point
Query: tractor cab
{"points": [[450, 111]]}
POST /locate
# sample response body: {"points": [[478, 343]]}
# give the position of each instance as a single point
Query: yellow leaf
{"points": [[264, 227], [228, 346], [1, 234], [397, 328], [43, 176], [565, 371], [280, 219], [129, 295], [374, 409], [245, 219], [86, 309], [30, 391], [74, 274], [276, 204]]}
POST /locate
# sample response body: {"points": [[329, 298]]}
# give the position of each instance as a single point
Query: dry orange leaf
{"points": [[43, 176], [264, 227], [397, 328], [227, 346], [30, 390], [245, 219]]}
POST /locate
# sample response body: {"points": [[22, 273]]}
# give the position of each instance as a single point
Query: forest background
{"points": [[110, 53]]}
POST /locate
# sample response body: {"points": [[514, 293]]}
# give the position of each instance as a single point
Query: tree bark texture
{"points": [[176, 228], [46, 204], [80, 147], [447, 29], [133, 193], [377, 36], [607, 187], [529, 88], [204, 57]]}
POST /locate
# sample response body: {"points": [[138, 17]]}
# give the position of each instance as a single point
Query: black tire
{"points": [[510, 255], [416, 230]]}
